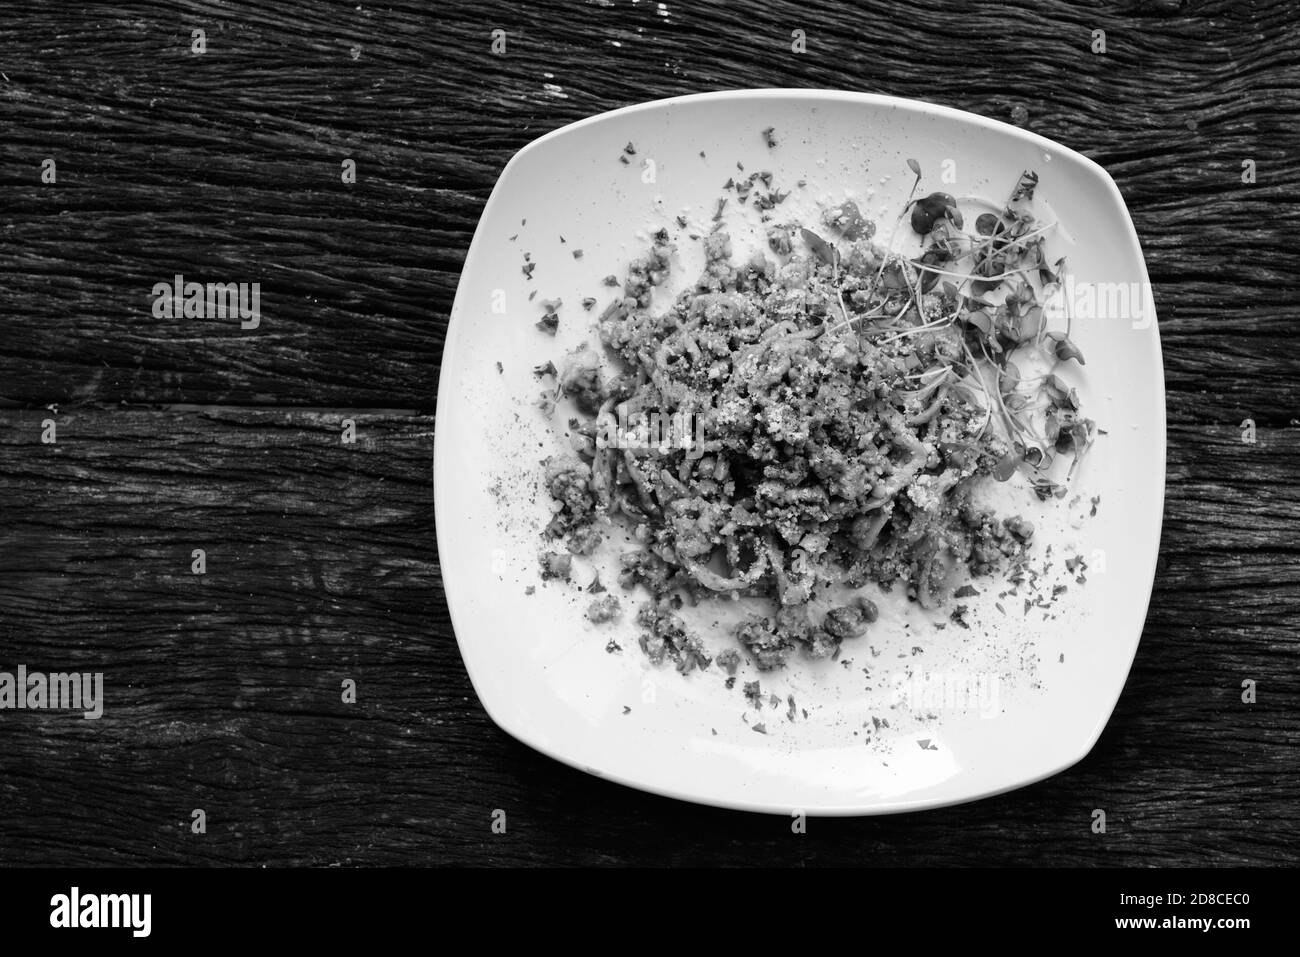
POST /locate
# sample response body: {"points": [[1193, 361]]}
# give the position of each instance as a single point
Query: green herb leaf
{"points": [[1010, 377], [1055, 389], [1052, 428], [1064, 348], [1025, 187], [1030, 324], [980, 320], [820, 247]]}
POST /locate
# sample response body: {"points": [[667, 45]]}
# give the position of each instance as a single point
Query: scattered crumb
{"points": [[555, 564], [604, 609], [729, 660]]}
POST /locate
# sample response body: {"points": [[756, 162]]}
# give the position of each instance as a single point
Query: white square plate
{"points": [[921, 712]]}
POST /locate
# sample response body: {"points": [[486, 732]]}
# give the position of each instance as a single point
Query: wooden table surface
{"points": [[223, 689]]}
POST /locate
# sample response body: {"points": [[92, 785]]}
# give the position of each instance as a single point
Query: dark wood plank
{"points": [[223, 690], [227, 165]]}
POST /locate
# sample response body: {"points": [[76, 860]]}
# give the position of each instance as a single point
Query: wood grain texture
{"points": [[179, 434]]}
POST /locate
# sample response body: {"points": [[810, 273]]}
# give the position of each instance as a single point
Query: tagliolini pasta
{"points": [[821, 416]]}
